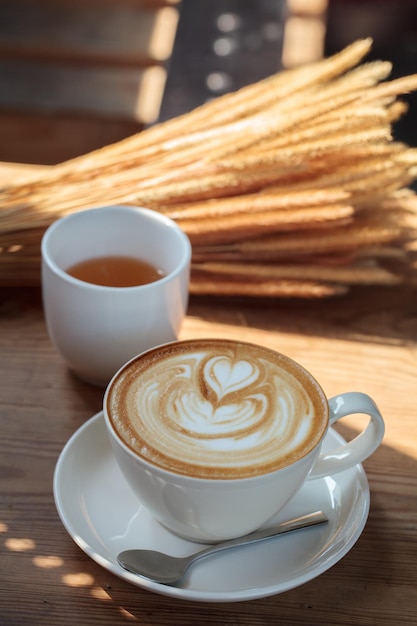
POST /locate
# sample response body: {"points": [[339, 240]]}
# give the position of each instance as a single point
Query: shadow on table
{"points": [[376, 315]]}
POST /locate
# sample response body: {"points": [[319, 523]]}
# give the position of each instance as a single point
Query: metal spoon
{"points": [[166, 569]]}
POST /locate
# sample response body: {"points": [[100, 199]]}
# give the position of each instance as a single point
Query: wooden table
{"points": [[366, 342]]}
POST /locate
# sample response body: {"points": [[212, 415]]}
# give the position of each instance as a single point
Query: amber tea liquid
{"points": [[115, 271]]}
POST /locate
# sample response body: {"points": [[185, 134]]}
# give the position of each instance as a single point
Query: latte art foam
{"points": [[217, 409]]}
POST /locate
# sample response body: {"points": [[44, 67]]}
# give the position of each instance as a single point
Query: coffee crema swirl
{"points": [[217, 409]]}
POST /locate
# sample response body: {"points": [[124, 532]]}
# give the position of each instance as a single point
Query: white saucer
{"points": [[103, 516]]}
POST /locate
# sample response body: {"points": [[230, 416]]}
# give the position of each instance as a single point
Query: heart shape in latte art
{"points": [[224, 376]]}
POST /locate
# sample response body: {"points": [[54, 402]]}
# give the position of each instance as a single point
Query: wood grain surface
{"points": [[365, 342]]}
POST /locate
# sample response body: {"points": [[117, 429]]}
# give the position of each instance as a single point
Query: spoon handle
{"points": [[297, 523]]}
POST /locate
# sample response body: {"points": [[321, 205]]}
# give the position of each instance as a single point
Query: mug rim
{"points": [[169, 474], [133, 209]]}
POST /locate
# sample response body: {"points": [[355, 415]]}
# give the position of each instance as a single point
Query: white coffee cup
{"points": [[215, 436], [98, 328]]}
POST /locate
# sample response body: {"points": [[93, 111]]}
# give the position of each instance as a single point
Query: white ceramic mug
{"points": [[205, 509], [96, 328]]}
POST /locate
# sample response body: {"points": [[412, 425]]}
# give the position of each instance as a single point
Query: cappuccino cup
{"points": [[215, 436], [96, 328]]}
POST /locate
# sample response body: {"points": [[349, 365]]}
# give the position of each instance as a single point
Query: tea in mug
{"points": [[115, 271]]}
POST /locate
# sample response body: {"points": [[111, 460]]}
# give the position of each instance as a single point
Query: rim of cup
{"points": [[185, 478], [149, 213]]}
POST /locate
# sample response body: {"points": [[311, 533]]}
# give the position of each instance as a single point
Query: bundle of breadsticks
{"points": [[292, 186]]}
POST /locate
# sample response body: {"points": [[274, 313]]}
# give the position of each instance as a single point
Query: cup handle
{"points": [[362, 446]]}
